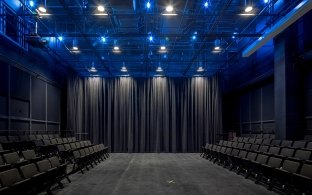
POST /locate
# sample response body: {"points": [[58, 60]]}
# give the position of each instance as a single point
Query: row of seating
{"points": [[33, 178], [262, 135], [274, 142], [282, 167]]}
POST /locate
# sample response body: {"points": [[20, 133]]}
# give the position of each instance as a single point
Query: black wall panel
{"points": [[19, 108], [4, 78], [38, 99], [54, 103], [244, 103], [255, 105], [37, 126], [3, 124], [3, 105], [20, 84], [53, 127], [19, 125], [268, 102]]}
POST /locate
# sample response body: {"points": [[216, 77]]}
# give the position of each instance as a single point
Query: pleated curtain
{"points": [[156, 114]]}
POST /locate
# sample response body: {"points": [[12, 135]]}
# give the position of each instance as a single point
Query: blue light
{"points": [[150, 38], [60, 38], [206, 4], [193, 37], [265, 1], [31, 3], [103, 39], [148, 5]]}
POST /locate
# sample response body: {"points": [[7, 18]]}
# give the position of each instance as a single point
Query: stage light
{"points": [[116, 48], [103, 39], [75, 48], [248, 9], [200, 69], [206, 4], [162, 48], [217, 44], [101, 8], [92, 69], [42, 9], [159, 69], [150, 38], [60, 38], [123, 69], [148, 5], [193, 37], [169, 8]]}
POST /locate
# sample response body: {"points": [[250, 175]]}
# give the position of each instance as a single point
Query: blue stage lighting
{"points": [[148, 5]]}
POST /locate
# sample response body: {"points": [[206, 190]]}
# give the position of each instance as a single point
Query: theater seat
{"points": [[14, 181], [303, 179]]}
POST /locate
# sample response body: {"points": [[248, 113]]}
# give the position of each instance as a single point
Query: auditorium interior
{"points": [[151, 97]]}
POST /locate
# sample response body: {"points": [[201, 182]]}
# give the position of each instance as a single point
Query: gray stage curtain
{"points": [[146, 115]]}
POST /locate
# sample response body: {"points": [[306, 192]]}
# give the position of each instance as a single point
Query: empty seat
{"points": [[299, 144], [11, 178], [254, 147], [45, 137], [286, 143], [14, 159], [309, 145], [235, 139], [266, 170], [240, 139], [308, 137], [245, 139], [263, 148], [276, 142], [302, 154], [303, 179], [286, 152], [39, 137], [252, 140], [274, 150], [3, 166], [39, 181], [44, 166], [62, 168], [32, 137], [30, 155], [266, 141], [258, 141]]}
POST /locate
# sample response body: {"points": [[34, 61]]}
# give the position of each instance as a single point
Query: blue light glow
{"points": [[31, 3], [60, 38], [206, 4], [103, 39], [150, 38], [193, 37], [148, 5], [265, 1]]}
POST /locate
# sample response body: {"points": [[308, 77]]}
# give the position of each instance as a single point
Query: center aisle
{"points": [[164, 173]]}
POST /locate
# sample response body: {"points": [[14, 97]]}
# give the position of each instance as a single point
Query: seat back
{"points": [[29, 170], [29, 154], [61, 148], [242, 154], [32, 137], [275, 162], [306, 170], [303, 154], [53, 141], [267, 141], [235, 152], [262, 158], [247, 146], [245, 139], [45, 137], [286, 143], [252, 140], [76, 154], [39, 137], [235, 139], [254, 147], [51, 136], [259, 141], [73, 146], [276, 142], [263, 148], [10, 177], [67, 147], [240, 139], [55, 162], [251, 156], [274, 150], [11, 158], [291, 166], [288, 152], [43, 165], [299, 144], [309, 145]]}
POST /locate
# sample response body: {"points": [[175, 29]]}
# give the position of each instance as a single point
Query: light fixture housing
{"points": [[31, 3], [159, 69], [92, 69], [169, 8], [206, 4], [75, 48], [103, 39], [101, 8], [123, 69], [60, 38], [200, 69], [162, 48], [248, 8], [217, 44], [116, 48], [42, 9]]}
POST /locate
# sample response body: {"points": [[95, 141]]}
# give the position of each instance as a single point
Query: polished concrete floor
{"points": [[163, 173]]}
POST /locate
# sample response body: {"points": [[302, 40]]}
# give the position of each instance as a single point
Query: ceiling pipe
{"points": [[281, 25]]}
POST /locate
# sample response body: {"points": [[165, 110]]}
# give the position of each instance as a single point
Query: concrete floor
{"points": [[164, 173]]}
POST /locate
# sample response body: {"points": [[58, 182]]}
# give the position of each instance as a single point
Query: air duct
{"points": [[281, 25]]}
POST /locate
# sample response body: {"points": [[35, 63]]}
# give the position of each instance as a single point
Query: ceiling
{"points": [[189, 36]]}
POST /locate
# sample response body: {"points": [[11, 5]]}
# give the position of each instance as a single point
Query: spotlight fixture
{"points": [[150, 38], [217, 44], [123, 69], [162, 48], [200, 69], [206, 4], [42, 9], [159, 69], [266, 1], [101, 8], [103, 39], [248, 9], [148, 5], [60, 38], [92, 69], [75, 48], [116, 48], [169, 8], [193, 37]]}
